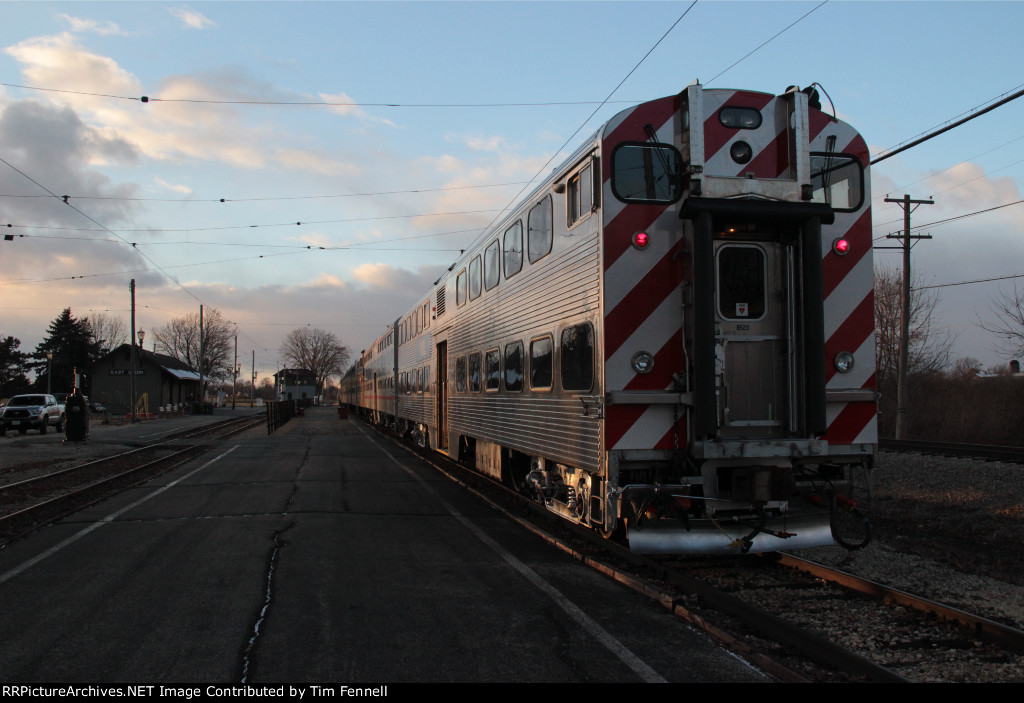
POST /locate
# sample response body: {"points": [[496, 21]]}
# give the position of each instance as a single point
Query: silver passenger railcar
{"points": [[672, 334]]}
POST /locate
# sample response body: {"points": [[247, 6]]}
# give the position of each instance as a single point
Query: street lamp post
{"points": [[49, 370], [141, 335], [234, 384]]}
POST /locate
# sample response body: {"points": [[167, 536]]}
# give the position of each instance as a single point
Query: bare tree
{"points": [[930, 345], [1008, 326], [180, 338], [107, 331], [964, 368], [316, 351], [266, 389]]}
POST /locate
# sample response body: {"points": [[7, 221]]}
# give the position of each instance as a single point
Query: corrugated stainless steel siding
{"points": [[561, 290]]}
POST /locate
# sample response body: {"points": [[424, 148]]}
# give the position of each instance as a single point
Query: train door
{"points": [[442, 396], [754, 338], [376, 396]]}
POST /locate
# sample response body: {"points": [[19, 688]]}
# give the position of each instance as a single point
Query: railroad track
{"points": [[798, 620], [40, 499], [978, 451]]}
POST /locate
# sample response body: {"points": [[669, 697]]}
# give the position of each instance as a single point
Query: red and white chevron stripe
{"points": [[643, 288]]}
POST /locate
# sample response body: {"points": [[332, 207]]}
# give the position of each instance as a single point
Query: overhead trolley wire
{"points": [[271, 198], [936, 223], [892, 151], [768, 41], [310, 103], [604, 102]]}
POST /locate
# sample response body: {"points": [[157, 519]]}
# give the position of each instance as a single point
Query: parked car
{"points": [[32, 411]]}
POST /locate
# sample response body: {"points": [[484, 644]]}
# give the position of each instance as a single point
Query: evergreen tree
{"points": [[71, 342], [13, 380]]}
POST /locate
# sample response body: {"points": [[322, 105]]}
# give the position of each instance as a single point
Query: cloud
{"points": [[350, 108], [485, 144], [58, 62], [967, 187], [315, 162], [53, 147], [392, 278], [183, 189], [326, 280], [83, 25], [191, 19], [315, 239]]}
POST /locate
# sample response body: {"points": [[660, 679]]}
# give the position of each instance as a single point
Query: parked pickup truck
{"points": [[35, 411]]}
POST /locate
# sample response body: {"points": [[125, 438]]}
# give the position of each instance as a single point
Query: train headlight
{"points": [[642, 362], [844, 362], [741, 152]]}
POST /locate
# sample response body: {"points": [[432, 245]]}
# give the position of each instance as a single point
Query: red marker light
{"points": [[841, 246], [640, 240]]}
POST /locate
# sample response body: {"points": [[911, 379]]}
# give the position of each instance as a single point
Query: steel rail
{"points": [[983, 628], [807, 643], [35, 482], [980, 451], [9, 522]]}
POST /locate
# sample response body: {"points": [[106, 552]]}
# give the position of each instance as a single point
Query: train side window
{"points": [[474, 372], [837, 180], [460, 288], [491, 265], [538, 241], [514, 249], [425, 379], [540, 363], [460, 374], [577, 357], [474, 278], [492, 363], [646, 173], [514, 367], [580, 196], [742, 278]]}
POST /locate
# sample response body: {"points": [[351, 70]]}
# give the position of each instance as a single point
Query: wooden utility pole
{"points": [[234, 372], [202, 353], [131, 367], [904, 352]]}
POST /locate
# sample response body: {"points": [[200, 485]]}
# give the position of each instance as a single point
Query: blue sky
{"points": [[393, 192]]}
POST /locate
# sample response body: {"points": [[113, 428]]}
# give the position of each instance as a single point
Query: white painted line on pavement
{"points": [[639, 667], [7, 575]]}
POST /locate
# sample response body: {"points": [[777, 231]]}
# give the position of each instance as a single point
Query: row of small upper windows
{"points": [[493, 370], [484, 272], [385, 342], [415, 381], [414, 323]]}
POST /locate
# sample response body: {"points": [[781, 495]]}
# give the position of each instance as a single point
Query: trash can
{"points": [[342, 412], [76, 418]]}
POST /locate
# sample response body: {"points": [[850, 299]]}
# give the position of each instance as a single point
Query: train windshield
{"points": [[837, 180], [646, 173]]}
